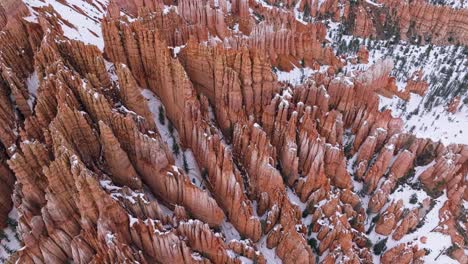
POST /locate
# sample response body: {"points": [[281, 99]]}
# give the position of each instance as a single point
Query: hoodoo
{"points": [[233, 131]]}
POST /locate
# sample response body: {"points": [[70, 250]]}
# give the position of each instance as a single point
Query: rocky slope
{"points": [[218, 131]]}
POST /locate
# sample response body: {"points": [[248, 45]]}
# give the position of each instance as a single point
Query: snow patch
{"points": [[87, 26], [32, 83]]}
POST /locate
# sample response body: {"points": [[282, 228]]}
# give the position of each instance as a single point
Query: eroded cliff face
{"points": [[416, 21], [178, 143], [17, 41], [429, 23]]}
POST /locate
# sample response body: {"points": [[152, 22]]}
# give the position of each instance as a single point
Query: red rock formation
{"points": [[131, 96], [363, 55], [418, 21], [321, 8], [239, 80], [97, 182], [201, 238], [435, 24], [212, 16], [119, 165], [244, 249], [407, 224], [363, 24], [14, 66], [7, 180], [377, 170], [255, 153], [241, 9], [286, 48], [403, 253], [71, 131], [452, 107], [223, 176], [163, 69], [377, 76], [389, 218], [416, 84]]}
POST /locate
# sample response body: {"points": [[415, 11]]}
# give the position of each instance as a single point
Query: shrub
{"points": [[376, 218], [408, 176], [263, 223], [421, 223], [170, 127], [365, 188], [357, 207], [368, 243], [433, 193], [8, 250], [451, 249], [307, 11], [426, 156], [309, 229], [440, 184], [161, 116], [186, 167], [204, 174], [175, 148], [12, 222], [348, 148], [313, 244], [305, 213], [2, 235], [381, 246]]}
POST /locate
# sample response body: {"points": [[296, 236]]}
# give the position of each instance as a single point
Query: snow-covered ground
{"points": [[436, 241], [412, 198], [269, 254], [445, 68], [297, 75], [451, 3], [32, 83], [9, 240], [80, 20], [436, 123]]}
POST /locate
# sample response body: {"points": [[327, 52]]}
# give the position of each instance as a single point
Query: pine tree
{"points": [[161, 116], [186, 167], [175, 148], [170, 127], [381, 246]]}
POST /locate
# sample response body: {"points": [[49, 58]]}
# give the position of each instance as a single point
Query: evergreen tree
{"points": [[380, 247], [186, 167], [161, 116], [175, 148]]}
